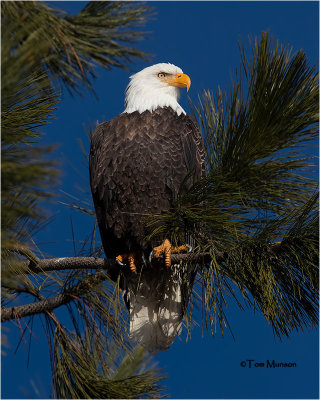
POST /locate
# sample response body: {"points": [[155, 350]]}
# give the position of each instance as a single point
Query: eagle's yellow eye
{"points": [[162, 75]]}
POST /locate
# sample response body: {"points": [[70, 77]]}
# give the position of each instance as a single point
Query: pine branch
{"points": [[53, 302], [279, 263], [85, 369], [109, 266], [256, 169], [69, 47], [107, 269]]}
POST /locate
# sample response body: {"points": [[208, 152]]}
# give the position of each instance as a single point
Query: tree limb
{"points": [[46, 305], [106, 269], [110, 266]]}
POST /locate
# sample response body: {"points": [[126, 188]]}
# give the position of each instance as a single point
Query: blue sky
{"points": [[202, 39]]}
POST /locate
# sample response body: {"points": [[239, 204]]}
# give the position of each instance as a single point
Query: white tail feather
{"points": [[156, 309]]}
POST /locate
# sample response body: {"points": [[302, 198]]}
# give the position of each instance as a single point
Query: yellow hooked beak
{"points": [[180, 80]]}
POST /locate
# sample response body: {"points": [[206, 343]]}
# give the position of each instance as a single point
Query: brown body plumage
{"points": [[138, 162]]}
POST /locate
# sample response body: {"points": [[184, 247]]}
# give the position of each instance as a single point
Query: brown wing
{"points": [[137, 165]]}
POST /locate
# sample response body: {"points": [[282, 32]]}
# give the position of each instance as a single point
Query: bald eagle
{"points": [[138, 162]]}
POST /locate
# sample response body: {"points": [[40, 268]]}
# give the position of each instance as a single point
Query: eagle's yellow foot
{"points": [[167, 249], [130, 257]]}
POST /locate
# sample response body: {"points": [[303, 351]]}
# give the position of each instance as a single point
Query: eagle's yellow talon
{"points": [[130, 257], [131, 263], [166, 249], [120, 258], [158, 251], [167, 258]]}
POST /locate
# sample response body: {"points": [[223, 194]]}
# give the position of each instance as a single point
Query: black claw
{"points": [[144, 260], [151, 256]]}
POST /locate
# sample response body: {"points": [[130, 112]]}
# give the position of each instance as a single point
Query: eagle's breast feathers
{"points": [[137, 165]]}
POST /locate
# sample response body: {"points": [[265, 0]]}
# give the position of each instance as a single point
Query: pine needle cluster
{"points": [[84, 370], [69, 47]]}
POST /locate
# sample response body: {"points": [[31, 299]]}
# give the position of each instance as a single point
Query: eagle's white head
{"points": [[156, 86]]}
